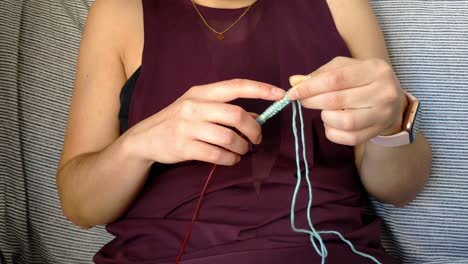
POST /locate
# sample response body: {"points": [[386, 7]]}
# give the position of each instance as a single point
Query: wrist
{"points": [[397, 125], [130, 151]]}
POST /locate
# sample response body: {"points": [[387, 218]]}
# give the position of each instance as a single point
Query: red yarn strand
{"points": [[194, 216]]}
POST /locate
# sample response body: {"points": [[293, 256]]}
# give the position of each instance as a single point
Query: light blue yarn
{"points": [[275, 108], [313, 234]]}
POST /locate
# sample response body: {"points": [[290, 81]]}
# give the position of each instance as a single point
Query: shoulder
{"points": [[117, 25], [114, 14], [349, 9], [108, 20], [115, 8]]}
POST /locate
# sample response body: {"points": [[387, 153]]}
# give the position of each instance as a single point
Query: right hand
{"points": [[198, 125]]}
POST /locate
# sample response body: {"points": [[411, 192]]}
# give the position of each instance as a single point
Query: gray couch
{"points": [[428, 43]]}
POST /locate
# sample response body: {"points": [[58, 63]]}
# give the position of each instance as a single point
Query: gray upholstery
{"points": [[39, 44], [428, 43]]}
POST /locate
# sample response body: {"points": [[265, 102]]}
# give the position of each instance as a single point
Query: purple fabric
{"points": [[275, 40]]}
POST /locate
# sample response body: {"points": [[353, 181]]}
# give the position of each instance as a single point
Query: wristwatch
{"points": [[409, 128]]}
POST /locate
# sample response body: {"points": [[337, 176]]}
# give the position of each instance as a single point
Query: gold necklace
{"points": [[220, 34]]}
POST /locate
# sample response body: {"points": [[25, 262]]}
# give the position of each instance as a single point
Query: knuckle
{"points": [[377, 63], [336, 101], [334, 78], [265, 89], [258, 135], [353, 139], [245, 148], [387, 113], [215, 155], [232, 160], [239, 87], [227, 137], [325, 116], [391, 97], [339, 59], [382, 66], [194, 90], [236, 114], [237, 83], [349, 123], [328, 133], [187, 108]]}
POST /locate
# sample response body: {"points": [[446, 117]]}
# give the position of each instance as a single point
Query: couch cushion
{"points": [[39, 44], [39, 41], [428, 43]]}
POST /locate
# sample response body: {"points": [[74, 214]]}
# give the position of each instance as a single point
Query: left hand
{"points": [[359, 99]]}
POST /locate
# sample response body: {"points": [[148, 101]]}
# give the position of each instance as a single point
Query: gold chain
{"points": [[220, 34]]}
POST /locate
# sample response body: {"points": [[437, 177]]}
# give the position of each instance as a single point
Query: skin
{"points": [[94, 191]]}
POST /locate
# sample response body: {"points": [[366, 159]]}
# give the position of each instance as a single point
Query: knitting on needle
{"points": [[277, 106]]}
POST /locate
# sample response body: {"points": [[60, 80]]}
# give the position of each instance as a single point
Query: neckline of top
{"points": [[218, 10]]}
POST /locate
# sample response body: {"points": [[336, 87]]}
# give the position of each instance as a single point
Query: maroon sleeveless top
{"points": [[276, 39]]}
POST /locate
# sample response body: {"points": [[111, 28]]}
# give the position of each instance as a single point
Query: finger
{"points": [[296, 79], [337, 62], [351, 138], [220, 136], [201, 151], [352, 119], [228, 115], [227, 91], [346, 77], [355, 98]]}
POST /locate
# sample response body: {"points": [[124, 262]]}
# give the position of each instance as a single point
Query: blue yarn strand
{"points": [[314, 235], [362, 254]]}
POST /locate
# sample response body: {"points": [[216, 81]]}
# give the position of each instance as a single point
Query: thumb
{"points": [[296, 79], [333, 64]]}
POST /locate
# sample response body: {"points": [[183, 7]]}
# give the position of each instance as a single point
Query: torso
{"points": [[235, 219]]}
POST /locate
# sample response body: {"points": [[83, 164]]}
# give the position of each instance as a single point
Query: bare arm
{"points": [[100, 172], [97, 178], [392, 175]]}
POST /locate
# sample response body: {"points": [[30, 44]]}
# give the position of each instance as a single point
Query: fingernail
{"points": [[278, 92], [297, 79]]}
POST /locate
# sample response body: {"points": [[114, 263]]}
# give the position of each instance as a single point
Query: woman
{"points": [[207, 69]]}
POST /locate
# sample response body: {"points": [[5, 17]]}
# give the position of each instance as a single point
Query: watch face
{"points": [[412, 119]]}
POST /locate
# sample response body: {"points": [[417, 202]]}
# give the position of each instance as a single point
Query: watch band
{"points": [[406, 136], [395, 140]]}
